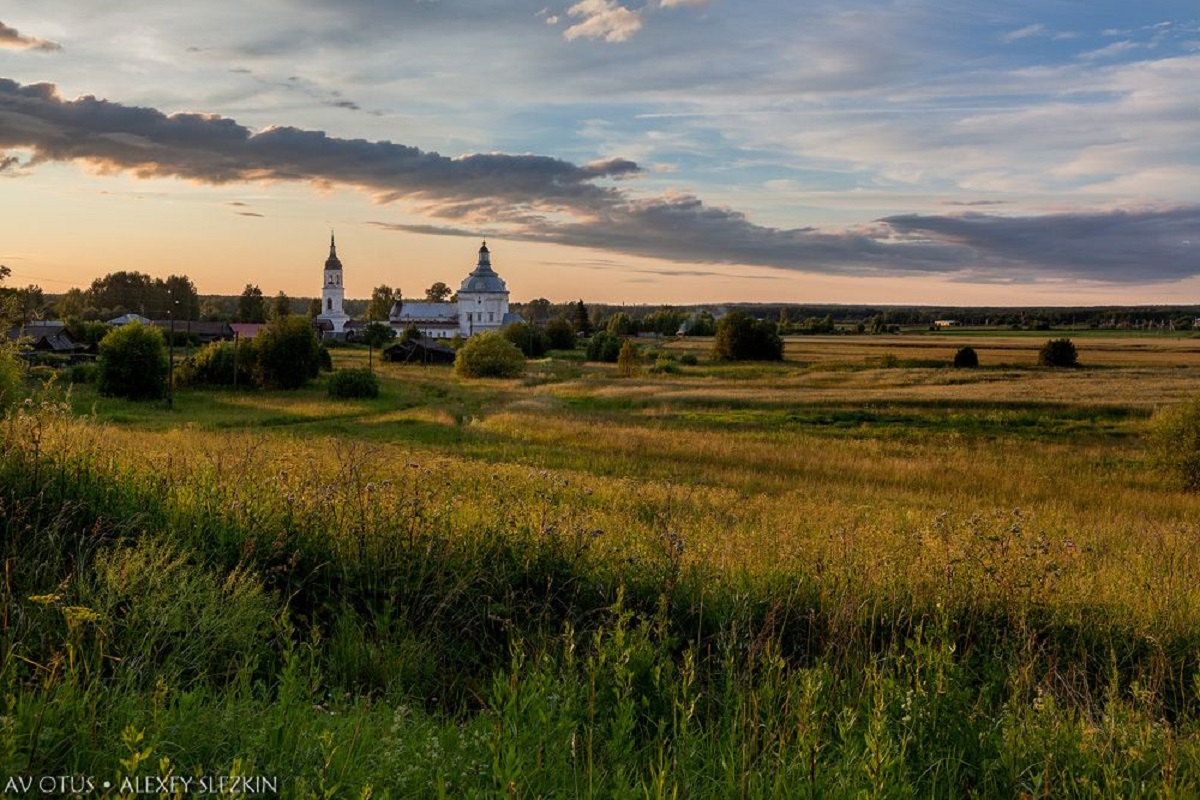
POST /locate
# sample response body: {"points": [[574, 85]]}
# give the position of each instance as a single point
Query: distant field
{"points": [[858, 571]]}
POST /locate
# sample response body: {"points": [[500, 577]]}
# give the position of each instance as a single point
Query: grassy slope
{"points": [[878, 579]]}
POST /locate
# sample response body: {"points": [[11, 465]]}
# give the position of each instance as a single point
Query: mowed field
{"points": [[858, 572]]}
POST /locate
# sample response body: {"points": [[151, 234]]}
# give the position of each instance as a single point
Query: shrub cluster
{"points": [[559, 334], [284, 355], [1175, 443], [350, 383], [966, 358], [741, 337], [531, 341], [1058, 353], [489, 355], [604, 346], [133, 363]]}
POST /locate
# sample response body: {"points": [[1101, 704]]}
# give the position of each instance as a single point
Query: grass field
{"points": [[857, 572]]}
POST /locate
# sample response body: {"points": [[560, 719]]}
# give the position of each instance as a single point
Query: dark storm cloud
{"points": [[543, 199], [212, 149], [11, 37], [1122, 246]]}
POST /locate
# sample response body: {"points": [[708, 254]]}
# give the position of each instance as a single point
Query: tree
{"points": [[489, 355], [124, 291], [438, 293], [1058, 353], [251, 306], [376, 335], [538, 310], [314, 308], [620, 324], [281, 306], [178, 293], [287, 353], [528, 339], [382, 299], [559, 334], [741, 337], [580, 319], [966, 358], [71, 304], [604, 347], [627, 359], [132, 363]]}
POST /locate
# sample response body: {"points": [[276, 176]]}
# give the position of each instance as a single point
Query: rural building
{"points": [[481, 305]]}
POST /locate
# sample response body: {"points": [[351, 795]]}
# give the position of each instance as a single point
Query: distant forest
{"points": [[176, 296]]}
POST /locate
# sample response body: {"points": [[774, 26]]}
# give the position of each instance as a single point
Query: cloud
{"points": [[603, 19], [11, 37], [1023, 33], [543, 199], [682, 3], [248, 214], [1119, 246]]}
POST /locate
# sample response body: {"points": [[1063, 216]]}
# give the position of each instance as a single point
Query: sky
{"points": [[956, 152]]}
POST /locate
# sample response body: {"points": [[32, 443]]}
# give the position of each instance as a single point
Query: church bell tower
{"points": [[332, 291]]}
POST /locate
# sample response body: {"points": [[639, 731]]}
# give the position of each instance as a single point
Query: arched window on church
{"points": [[329, 304]]}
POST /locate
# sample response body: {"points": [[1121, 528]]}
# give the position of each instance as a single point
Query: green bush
{"points": [[133, 363], [1058, 353], [214, 365], [489, 355], [12, 372], [689, 359], [82, 373], [287, 353], [605, 347], [1175, 443], [966, 358], [741, 337], [560, 335], [628, 359], [528, 339], [348, 383]]}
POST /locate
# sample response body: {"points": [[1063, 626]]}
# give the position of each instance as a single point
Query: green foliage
{"points": [[620, 324], [351, 383], [559, 334], [132, 363], [12, 373], [377, 334], [1058, 353], [689, 359], [741, 337], [215, 365], [605, 347], [529, 340], [489, 355], [966, 358], [83, 373], [1175, 443], [382, 299], [281, 306], [438, 293], [580, 319], [287, 353], [252, 306], [627, 358]]}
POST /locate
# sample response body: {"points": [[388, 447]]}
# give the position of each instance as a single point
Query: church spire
{"points": [[332, 262]]}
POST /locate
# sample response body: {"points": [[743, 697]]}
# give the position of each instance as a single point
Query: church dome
{"points": [[483, 278], [332, 262]]}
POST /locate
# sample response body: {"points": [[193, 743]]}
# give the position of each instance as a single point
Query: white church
{"points": [[481, 305]]}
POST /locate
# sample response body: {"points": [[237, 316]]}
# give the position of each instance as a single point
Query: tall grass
{"points": [[540, 609]]}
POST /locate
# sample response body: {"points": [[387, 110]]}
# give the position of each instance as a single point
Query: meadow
{"points": [[855, 573]]}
